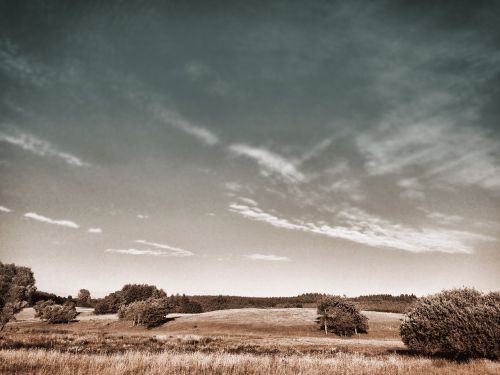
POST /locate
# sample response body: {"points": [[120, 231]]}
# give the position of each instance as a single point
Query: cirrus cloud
{"points": [[44, 219]]}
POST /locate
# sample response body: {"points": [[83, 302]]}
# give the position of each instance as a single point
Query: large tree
{"points": [[341, 317], [16, 286], [84, 299]]}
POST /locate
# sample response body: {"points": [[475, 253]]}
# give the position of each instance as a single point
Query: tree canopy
{"points": [[16, 286]]}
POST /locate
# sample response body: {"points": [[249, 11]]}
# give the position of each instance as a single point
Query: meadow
{"points": [[239, 341]]}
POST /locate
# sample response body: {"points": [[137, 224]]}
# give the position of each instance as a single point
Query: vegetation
{"points": [[112, 302], [184, 305], [462, 323], [128, 294], [385, 302], [16, 285], [38, 295], [149, 313], [341, 317], [54, 313], [377, 302], [47, 363], [84, 299]]}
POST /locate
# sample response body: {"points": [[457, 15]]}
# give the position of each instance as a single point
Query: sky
{"points": [[265, 148]]}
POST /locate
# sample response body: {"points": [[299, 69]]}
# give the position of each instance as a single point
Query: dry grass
{"points": [[245, 341], [52, 362]]}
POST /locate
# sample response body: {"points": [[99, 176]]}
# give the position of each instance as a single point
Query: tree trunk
{"points": [[326, 327]]}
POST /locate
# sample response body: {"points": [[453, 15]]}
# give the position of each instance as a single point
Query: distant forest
{"points": [[373, 302]]}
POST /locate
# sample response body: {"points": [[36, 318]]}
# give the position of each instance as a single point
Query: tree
{"points": [[341, 317], [149, 313], [55, 314], [462, 323], [128, 294], [16, 286], [84, 299]]}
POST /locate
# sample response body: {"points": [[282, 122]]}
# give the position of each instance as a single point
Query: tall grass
{"points": [[42, 362]]}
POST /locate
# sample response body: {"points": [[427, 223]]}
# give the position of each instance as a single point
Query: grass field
{"points": [[245, 341]]}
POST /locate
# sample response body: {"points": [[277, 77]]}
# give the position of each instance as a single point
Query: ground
{"points": [[288, 339]]}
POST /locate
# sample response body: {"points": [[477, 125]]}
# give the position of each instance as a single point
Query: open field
{"points": [[245, 341], [43, 363]]}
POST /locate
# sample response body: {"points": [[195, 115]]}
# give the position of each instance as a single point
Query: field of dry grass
{"points": [[49, 363], [245, 341]]}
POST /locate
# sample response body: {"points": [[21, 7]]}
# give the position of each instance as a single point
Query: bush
{"points": [[149, 313], [462, 323], [341, 317], [55, 314], [128, 294]]}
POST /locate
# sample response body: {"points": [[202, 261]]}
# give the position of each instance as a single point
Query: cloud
{"points": [[40, 147], [436, 148], [142, 217], [268, 257], [95, 230], [21, 67], [174, 251], [175, 120], [255, 213], [358, 226], [270, 162], [5, 209], [196, 70], [156, 253], [316, 150], [44, 219], [248, 201]]}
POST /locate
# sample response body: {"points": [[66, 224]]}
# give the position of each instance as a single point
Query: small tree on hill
{"points": [[341, 317], [84, 299], [149, 313], [462, 323], [16, 285]]}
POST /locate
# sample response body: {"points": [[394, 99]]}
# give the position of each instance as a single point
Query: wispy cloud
{"points": [[316, 150], [142, 217], [156, 253], [5, 209], [358, 226], [175, 120], [269, 162], [441, 151], [44, 219], [173, 251], [248, 201], [95, 230], [268, 257], [39, 147]]}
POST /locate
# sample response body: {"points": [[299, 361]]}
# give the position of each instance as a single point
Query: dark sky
{"points": [[255, 148]]}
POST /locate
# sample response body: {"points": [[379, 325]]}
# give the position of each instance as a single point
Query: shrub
{"points": [[149, 313], [461, 323], [341, 317], [55, 314]]}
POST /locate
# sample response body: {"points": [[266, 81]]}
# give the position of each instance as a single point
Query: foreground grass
{"points": [[43, 362]]}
